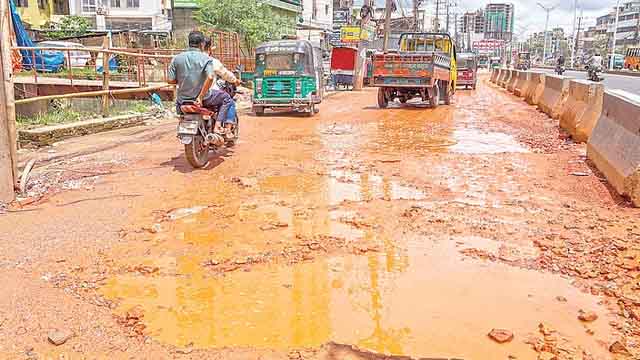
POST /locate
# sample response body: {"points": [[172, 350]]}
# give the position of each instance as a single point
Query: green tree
{"points": [[601, 45], [254, 20], [71, 26]]}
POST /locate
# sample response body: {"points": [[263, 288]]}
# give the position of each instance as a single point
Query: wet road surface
{"points": [[406, 231], [611, 81]]}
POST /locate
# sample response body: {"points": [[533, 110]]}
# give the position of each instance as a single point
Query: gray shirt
{"points": [[190, 69]]}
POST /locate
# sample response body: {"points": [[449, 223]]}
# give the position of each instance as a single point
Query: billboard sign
{"points": [[488, 44]]}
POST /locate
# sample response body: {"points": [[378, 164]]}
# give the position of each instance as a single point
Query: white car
{"points": [[78, 59]]}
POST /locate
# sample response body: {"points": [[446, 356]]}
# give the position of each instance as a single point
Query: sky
{"points": [[530, 17]]}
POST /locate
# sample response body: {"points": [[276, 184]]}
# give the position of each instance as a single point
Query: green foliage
{"points": [[601, 45], [70, 26], [60, 116], [254, 20]]}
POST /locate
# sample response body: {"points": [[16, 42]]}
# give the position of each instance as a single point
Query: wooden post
{"points": [[105, 76], [8, 137]]}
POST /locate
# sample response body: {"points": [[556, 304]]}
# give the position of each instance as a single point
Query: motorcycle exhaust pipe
{"points": [[215, 139]]}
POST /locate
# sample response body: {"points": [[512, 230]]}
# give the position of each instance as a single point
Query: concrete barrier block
{"points": [[494, 75], [582, 109], [512, 80], [554, 96], [521, 83], [614, 145], [535, 88], [505, 74], [507, 77]]}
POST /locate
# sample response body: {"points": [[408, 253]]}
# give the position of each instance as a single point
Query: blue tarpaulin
{"points": [[48, 61]]}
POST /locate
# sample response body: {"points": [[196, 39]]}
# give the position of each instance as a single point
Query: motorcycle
{"points": [[196, 129], [560, 70], [593, 73]]}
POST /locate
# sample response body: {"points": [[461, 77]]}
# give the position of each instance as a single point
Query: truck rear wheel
{"points": [[446, 92], [383, 102], [434, 96]]}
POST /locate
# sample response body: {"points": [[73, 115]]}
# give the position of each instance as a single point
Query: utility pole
{"points": [[447, 5], [8, 138], [578, 32], [437, 24], [546, 30], [573, 48], [387, 24], [615, 34], [416, 4], [361, 54]]}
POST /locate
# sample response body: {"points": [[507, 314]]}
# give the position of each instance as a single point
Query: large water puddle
{"points": [[420, 299]]}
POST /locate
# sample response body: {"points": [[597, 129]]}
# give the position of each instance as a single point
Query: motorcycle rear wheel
{"points": [[197, 152]]}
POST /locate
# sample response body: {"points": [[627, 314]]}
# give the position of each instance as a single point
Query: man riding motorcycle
{"points": [[194, 71], [594, 66], [560, 65]]}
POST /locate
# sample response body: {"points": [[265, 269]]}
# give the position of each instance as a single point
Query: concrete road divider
{"points": [[504, 77], [614, 145], [521, 83], [554, 96], [494, 75], [512, 81], [583, 108], [535, 88]]}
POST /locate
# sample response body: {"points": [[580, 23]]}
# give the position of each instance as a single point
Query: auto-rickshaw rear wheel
{"points": [[383, 102], [312, 110], [258, 110]]}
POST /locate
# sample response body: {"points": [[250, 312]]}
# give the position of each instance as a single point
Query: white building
{"points": [[628, 29], [125, 14], [316, 20]]}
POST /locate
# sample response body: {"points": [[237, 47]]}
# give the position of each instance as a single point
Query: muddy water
{"points": [[416, 296], [418, 299]]}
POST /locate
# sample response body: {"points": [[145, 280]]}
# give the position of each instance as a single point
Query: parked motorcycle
{"points": [[560, 70], [593, 73], [196, 129]]}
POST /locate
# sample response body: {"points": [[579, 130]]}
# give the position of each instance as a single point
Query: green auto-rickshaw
{"points": [[288, 74]]}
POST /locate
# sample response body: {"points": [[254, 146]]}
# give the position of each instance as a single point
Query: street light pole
{"points": [[546, 30], [573, 43], [615, 34]]}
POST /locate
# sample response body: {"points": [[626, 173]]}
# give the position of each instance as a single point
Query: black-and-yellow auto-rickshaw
{"points": [[289, 74]]}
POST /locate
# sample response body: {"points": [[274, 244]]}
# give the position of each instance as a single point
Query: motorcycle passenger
{"points": [[595, 62], [194, 72]]}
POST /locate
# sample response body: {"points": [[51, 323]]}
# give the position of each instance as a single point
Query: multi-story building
{"points": [[125, 14], [316, 21], [628, 26], [471, 29], [499, 21], [37, 13]]}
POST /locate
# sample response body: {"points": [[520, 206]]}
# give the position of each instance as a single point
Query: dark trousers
{"points": [[218, 99]]}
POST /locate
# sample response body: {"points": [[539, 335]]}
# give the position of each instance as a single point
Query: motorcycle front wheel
{"points": [[197, 152]]}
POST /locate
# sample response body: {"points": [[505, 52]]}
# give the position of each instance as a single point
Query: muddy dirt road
{"points": [[357, 234]]}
